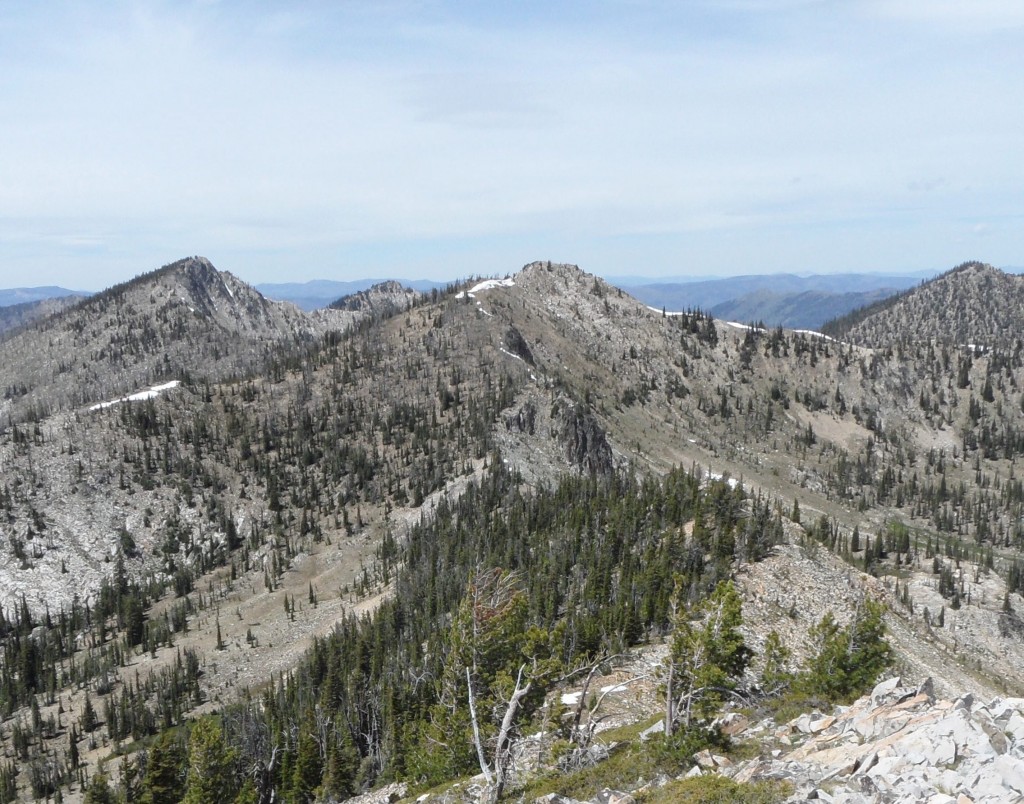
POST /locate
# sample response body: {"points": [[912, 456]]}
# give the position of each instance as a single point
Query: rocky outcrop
{"points": [[604, 797], [896, 744], [583, 440], [383, 299], [384, 795], [516, 344], [523, 420]]}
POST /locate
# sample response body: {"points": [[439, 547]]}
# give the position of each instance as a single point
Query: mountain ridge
{"points": [[184, 318], [973, 303], [331, 473]]}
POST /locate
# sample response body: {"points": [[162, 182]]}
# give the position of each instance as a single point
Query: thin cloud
{"points": [[354, 134]]}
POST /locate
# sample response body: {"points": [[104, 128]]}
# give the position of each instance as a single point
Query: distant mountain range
{"points": [[788, 300], [11, 296]]}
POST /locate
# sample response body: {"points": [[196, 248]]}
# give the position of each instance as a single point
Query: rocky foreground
{"points": [[898, 744]]}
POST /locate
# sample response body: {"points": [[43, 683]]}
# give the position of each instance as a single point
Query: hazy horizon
{"points": [[610, 276]]}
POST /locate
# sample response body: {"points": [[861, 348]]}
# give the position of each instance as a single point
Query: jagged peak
{"points": [[389, 286], [384, 297], [195, 263]]}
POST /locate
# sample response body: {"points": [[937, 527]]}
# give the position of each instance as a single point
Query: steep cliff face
{"points": [[583, 441], [565, 431]]}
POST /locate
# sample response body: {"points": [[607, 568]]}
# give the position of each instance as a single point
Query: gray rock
{"points": [[1011, 772], [653, 731], [607, 796], [554, 798], [885, 688], [964, 702]]}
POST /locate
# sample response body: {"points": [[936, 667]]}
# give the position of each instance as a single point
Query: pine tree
{"points": [[165, 771], [210, 765], [846, 661], [99, 791], [707, 658], [774, 675], [308, 765], [88, 720], [342, 767]]}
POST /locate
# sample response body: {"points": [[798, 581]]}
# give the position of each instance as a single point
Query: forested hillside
{"points": [[973, 304]]}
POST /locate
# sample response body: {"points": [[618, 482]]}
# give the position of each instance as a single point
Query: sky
{"points": [[343, 140]]}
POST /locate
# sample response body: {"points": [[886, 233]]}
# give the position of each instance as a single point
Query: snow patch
{"points": [[814, 334], [573, 698], [737, 325], [139, 396], [731, 481], [667, 313], [487, 284]]}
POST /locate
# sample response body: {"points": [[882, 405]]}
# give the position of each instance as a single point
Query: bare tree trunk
{"points": [[503, 750], [484, 767], [582, 701], [670, 708]]}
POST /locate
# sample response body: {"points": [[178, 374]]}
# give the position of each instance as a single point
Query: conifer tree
{"points": [[210, 765], [99, 791], [845, 662], [707, 658], [165, 771], [308, 764]]}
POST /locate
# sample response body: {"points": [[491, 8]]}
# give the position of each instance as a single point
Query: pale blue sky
{"points": [[292, 141]]}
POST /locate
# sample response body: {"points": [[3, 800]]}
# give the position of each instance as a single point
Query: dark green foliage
{"points": [[846, 662], [308, 763], [706, 660], [775, 675], [164, 779], [98, 791], [211, 773], [89, 721]]}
